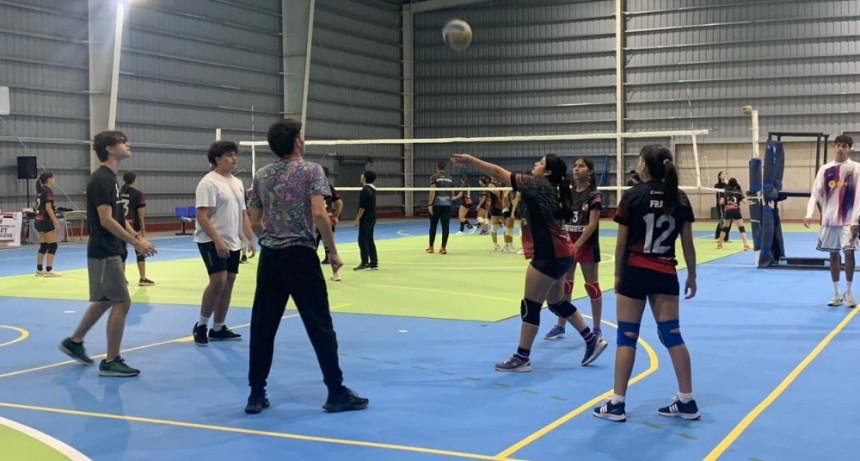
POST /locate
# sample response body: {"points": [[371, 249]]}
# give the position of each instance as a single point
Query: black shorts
{"points": [[44, 225], [638, 283], [506, 214], [555, 268], [215, 263], [495, 212], [729, 215]]}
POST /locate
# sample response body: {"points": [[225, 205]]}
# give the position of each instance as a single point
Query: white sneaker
{"points": [[52, 274], [335, 277], [848, 298], [835, 301], [497, 248], [460, 233], [40, 273], [473, 230]]}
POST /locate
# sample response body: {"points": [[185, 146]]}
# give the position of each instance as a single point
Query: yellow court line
{"points": [[237, 430], [761, 407], [655, 364], [24, 334], [184, 339]]}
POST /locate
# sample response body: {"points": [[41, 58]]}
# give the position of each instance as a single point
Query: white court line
{"points": [[46, 439]]}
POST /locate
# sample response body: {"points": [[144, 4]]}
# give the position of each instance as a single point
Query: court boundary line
{"points": [[747, 420], [237, 430], [24, 334], [66, 450], [535, 436]]}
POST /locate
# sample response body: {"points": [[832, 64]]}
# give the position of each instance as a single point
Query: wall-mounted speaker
{"points": [[27, 168]]}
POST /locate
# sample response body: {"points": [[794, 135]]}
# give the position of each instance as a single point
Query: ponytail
{"points": [[558, 178], [128, 178], [658, 160], [42, 181], [565, 200]]}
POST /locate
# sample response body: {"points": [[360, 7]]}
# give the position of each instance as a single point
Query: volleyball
{"points": [[457, 34]]}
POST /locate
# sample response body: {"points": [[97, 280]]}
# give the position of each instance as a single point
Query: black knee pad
{"points": [[563, 309], [742, 229], [43, 247], [52, 248], [726, 230], [141, 258], [530, 311]]}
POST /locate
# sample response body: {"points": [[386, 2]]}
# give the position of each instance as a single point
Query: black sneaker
{"points": [[224, 334], [199, 333], [610, 411], [244, 259], [325, 261], [145, 283], [373, 267], [75, 351], [348, 400], [679, 409], [117, 368], [593, 350], [362, 267], [256, 403]]}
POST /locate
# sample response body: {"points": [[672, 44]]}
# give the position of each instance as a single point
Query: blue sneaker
{"points": [[679, 409], [515, 363], [611, 411], [556, 332]]}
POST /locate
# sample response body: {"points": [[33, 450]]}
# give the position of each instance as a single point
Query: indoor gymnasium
{"points": [[421, 230]]}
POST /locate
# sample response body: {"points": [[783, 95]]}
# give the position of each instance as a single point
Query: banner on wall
{"points": [[10, 229]]}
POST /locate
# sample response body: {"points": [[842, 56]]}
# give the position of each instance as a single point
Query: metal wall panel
{"points": [[43, 59]]}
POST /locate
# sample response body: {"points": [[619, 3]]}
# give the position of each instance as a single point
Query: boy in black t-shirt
{"points": [[109, 232], [365, 221]]}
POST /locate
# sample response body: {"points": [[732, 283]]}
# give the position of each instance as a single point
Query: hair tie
{"points": [[666, 162]]}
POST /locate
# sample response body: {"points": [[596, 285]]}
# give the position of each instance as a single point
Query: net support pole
{"points": [[408, 107], [620, 96], [696, 160]]}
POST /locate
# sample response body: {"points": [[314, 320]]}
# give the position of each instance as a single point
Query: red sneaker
{"points": [[429, 250], [443, 251]]}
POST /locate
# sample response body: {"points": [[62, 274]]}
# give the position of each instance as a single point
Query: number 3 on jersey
{"points": [[666, 224]]}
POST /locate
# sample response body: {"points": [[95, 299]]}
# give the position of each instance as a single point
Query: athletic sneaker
{"points": [[460, 233], [678, 409], [348, 400], [256, 403], [361, 267], [224, 334], [40, 273], [335, 277], [848, 297], [325, 261], [117, 369], [836, 300], [473, 230], [497, 248], [145, 283], [556, 332], [429, 250], [515, 363], [611, 411], [373, 267], [244, 259], [593, 351], [443, 251], [199, 333], [597, 332], [50, 274], [75, 351]]}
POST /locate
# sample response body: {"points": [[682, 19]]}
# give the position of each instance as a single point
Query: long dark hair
{"points": [[558, 178], [719, 176], [42, 182], [128, 178], [592, 177], [733, 184], [658, 159]]}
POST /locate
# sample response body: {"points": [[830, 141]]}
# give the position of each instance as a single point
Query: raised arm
{"points": [[491, 169]]}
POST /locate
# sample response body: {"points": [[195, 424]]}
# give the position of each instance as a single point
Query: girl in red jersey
{"points": [[651, 217], [546, 202], [46, 224], [584, 228]]}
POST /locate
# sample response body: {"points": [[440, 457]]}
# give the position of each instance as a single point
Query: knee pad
{"points": [[726, 230], [563, 309], [568, 287], [43, 247], [141, 258], [52, 248], [625, 340], [669, 338], [509, 232], [530, 311], [742, 229], [593, 290]]}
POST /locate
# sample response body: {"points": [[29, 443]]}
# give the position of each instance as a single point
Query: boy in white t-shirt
{"points": [[837, 192], [221, 221]]}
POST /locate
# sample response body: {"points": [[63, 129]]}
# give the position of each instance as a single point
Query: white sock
{"points": [[616, 399], [685, 398], [203, 321], [836, 287], [217, 326], [848, 286]]}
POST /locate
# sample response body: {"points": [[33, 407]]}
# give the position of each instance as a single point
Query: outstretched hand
{"points": [[461, 159]]}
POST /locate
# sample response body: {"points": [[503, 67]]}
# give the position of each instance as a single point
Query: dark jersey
{"points": [[44, 201], [583, 203], [719, 195], [543, 235], [367, 200], [102, 189], [133, 200], [329, 200], [733, 197], [441, 197], [652, 233]]}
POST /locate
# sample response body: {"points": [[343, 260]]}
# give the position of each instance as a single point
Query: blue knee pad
{"points": [[625, 340], [530, 311], [669, 338]]}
